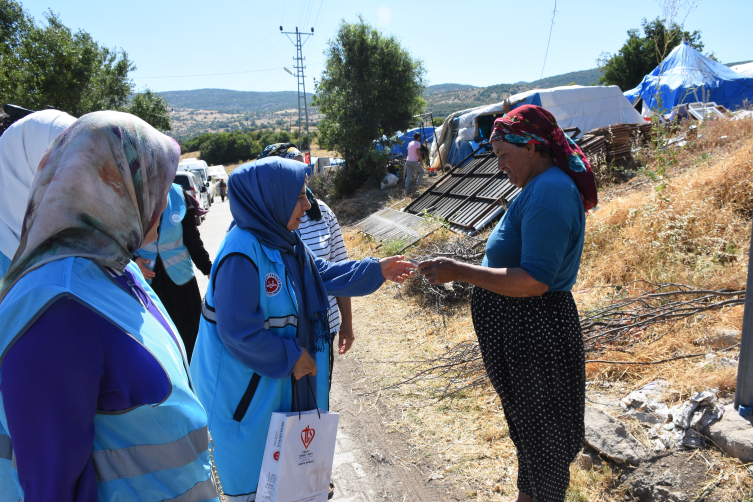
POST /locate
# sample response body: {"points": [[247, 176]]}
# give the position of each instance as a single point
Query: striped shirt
{"points": [[324, 239]]}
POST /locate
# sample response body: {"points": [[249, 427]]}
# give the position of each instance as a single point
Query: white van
{"points": [[199, 167], [217, 173]]}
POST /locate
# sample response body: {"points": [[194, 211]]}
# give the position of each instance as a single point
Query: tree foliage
{"points": [[370, 87], [48, 66], [641, 54], [152, 108]]}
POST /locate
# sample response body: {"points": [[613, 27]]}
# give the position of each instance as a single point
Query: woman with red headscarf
{"points": [[523, 311]]}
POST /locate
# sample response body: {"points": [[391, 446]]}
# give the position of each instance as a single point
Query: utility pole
{"points": [[744, 390], [303, 110]]}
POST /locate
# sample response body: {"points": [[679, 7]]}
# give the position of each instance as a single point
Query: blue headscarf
{"points": [[263, 195]]}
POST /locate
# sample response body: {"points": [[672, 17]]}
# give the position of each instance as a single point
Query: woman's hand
{"points": [[304, 366], [345, 339], [395, 269], [141, 262], [440, 270]]}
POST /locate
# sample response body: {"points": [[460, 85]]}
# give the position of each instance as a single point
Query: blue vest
{"points": [[169, 246], [172, 458], [239, 402]]}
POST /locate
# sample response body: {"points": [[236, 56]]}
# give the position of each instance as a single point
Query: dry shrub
{"points": [[694, 229]]}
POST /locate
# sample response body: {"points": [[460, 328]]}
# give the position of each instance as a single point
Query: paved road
{"points": [[363, 470]]}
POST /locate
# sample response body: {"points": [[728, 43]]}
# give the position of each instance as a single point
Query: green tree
{"points": [[152, 108], [641, 54], [47, 65], [370, 87]]}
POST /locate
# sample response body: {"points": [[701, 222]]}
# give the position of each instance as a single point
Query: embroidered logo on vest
{"points": [[272, 284], [175, 218]]}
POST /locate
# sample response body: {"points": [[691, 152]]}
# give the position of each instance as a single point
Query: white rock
{"points": [[734, 435], [609, 436], [704, 398]]}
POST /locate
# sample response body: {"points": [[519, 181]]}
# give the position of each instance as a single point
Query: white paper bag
{"points": [[298, 457]]}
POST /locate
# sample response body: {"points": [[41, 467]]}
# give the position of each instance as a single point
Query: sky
{"points": [[231, 44]]}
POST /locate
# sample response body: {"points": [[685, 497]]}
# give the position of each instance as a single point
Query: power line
{"points": [[554, 12]]}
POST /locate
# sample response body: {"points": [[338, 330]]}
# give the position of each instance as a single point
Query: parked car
{"points": [[199, 167], [217, 173], [189, 182]]}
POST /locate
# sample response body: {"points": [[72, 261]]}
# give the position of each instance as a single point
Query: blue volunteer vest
{"points": [[169, 246], [239, 402], [148, 453]]}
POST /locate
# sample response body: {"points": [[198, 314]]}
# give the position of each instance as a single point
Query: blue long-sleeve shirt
{"points": [[542, 232], [240, 320]]}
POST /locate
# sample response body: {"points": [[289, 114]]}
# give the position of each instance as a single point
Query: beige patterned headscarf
{"points": [[99, 188]]}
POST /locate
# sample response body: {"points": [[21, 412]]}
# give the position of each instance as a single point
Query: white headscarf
{"points": [[21, 148]]}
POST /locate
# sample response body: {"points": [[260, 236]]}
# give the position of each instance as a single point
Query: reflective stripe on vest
{"points": [[273, 322], [143, 459], [6, 449], [170, 247], [204, 490]]}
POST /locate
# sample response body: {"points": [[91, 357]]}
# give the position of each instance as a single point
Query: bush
{"points": [[371, 169], [229, 148]]}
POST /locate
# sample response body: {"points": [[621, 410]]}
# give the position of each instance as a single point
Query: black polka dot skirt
{"points": [[533, 353]]}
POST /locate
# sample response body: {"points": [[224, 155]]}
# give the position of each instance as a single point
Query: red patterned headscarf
{"points": [[533, 124]]}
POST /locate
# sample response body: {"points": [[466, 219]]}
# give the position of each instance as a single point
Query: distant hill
{"points": [[224, 100], [211, 110], [739, 62], [433, 89], [451, 100]]}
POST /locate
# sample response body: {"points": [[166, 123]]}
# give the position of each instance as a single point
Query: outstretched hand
{"points": [[396, 269], [439, 270]]}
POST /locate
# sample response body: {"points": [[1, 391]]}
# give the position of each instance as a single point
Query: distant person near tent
{"points": [[167, 264], [414, 162]]}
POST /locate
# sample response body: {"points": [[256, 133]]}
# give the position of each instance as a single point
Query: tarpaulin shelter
{"points": [[687, 76], [584, 107], [402, 140], [743, 69]]}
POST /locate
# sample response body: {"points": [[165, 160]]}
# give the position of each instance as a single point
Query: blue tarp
{"points": [[401, 148], [687, 76]]}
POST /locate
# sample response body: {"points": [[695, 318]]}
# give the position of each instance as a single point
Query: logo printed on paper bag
{"points": [[272, 284], [276, 456], [307, 435]]}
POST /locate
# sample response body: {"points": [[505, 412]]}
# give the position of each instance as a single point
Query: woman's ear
{"points": [[530, 149]]}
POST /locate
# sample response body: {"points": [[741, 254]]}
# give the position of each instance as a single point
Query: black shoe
{"points": [[331, 491]]}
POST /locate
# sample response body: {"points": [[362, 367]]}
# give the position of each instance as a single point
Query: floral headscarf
{"points": [[99, 188], [531, 124]]}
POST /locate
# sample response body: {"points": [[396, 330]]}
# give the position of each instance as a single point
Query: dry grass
{"points": [[691, 226]]}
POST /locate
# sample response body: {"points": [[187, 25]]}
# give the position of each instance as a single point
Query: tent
{"points": [[687, 76], [403, 138], [584, 107], [743, 69]]}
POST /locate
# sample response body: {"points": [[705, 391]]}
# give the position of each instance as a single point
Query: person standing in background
{"points": [[320, 231], [166, 264], [414, 162], [223, 189], [21, 148]]}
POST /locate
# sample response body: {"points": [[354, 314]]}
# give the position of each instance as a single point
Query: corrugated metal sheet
{"points": [[388, 224], [470, 195]]}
